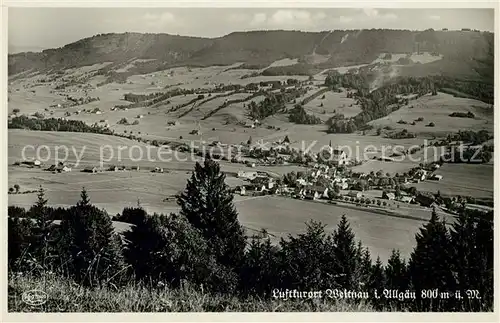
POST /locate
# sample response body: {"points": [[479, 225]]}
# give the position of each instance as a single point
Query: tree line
{"points": [[205, 246], [55, 124]]}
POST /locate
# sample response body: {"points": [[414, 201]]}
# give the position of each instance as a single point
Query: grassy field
{"points": [[332, 103], [282, 216], [437, 109], [462, 179]]}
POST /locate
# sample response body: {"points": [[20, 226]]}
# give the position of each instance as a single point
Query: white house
{"points": [[339, 157], [247, 175]]}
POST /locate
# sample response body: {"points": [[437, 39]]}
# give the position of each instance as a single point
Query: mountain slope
{"points": [[260, 48]]}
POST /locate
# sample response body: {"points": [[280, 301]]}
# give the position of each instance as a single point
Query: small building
{"points": [[354, 194], [425, 199], [241, 190], [64, 169], [135, 168], [140, 116], [436, 177], [90, 170], [319, 191], [113, 168], [172, 123], [247, 175], [406, 199], [157, 170], [338, 157], [388, 196]]}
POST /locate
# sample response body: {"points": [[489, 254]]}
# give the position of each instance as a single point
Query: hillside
{"points": [[314, 50]]}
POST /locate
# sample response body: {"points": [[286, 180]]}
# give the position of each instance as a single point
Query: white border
{"points": [[230, 317]]}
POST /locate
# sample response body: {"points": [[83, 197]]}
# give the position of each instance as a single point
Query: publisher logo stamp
{"points": [[34, 297]]}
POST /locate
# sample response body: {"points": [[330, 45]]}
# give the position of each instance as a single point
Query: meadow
{"points": [[280, 216]]}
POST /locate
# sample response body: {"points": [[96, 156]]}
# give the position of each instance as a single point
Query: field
{"points": [[282, 216], [333, 103], [462, 179], [437, 109], [115, 190]]}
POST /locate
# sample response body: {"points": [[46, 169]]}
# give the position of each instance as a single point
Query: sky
{"points": [[41, 28]]}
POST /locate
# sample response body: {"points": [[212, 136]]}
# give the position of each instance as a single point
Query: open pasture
{"points": [[282, 216], [333, 103], [462, 179], [437, 109]]}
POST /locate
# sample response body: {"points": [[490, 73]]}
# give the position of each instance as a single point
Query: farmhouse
{"points": [[354, 194], [113, 168], [90, 169], [135, 168], [406, 199], [64, 169], [436, 177], [425, 199], [247, 175], [388, 196]]}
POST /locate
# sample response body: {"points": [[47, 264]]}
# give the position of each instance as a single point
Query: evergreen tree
{"points": [[430, 264], [396, 272], [43, 228], [377, 283], [18, 240], [89, 242], [306, 261], [260, 271], [207, 203], [472, 238], [396, 278], [345, 255]]}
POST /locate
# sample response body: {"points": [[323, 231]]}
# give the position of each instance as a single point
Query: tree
{"points": [[345, 255], [307, 261], [11, 190], [377, 282], [249, 141], [260, 271], [89, 246], [207, 203], [17, 188], [472, 238], [16, 110], [19, 236], [430, 263], [396, 274], [43, 227]]}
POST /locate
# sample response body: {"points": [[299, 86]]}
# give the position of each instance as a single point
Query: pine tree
{"points": [[89, 241], [396, 272], [345, 255], [472, 238], [306, 261], [19, 237], [430, 264], [43, 228], [377, 283], [207, 203], [260, 272]]}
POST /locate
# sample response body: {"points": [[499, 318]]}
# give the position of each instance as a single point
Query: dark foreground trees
{"points": [[205, 246]]}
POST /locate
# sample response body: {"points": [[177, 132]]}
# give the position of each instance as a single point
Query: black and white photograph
{"points": [[250, 159]]}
